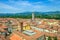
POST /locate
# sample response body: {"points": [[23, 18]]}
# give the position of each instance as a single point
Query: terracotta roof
{"points": [[15, 37], [37, 35], [2, 37]]}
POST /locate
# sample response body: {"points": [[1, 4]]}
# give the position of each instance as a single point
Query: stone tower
{"points": [[21, 26], [33, 17]]}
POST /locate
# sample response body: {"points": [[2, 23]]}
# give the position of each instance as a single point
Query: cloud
{"points": [[7, 7], [25, 6]]}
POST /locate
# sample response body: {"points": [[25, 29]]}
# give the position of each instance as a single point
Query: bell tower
{"points": [[33, 17]]}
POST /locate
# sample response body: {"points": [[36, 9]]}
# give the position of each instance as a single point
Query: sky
{"points": [[18, 6]]}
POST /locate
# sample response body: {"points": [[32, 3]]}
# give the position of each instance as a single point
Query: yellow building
{"points": [[27, 27]]}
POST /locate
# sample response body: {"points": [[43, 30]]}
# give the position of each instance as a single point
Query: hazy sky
{"points": [[14, 6]]}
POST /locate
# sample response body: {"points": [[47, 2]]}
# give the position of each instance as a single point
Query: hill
{"points": [[50, 15]]}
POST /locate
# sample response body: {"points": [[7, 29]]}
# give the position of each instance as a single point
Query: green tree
{"points": [[55, 38], [49, 38]]}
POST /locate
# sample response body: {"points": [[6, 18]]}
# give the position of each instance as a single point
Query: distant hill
{"points": [[55, 15]]}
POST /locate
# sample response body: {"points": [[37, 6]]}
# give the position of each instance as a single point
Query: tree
{"points": [[49, 38], [55, 38]]}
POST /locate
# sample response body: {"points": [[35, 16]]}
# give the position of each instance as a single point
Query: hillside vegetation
{"points": [[48, 15]]}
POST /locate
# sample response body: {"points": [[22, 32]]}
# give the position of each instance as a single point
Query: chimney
{"points": [[21, 26]]}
